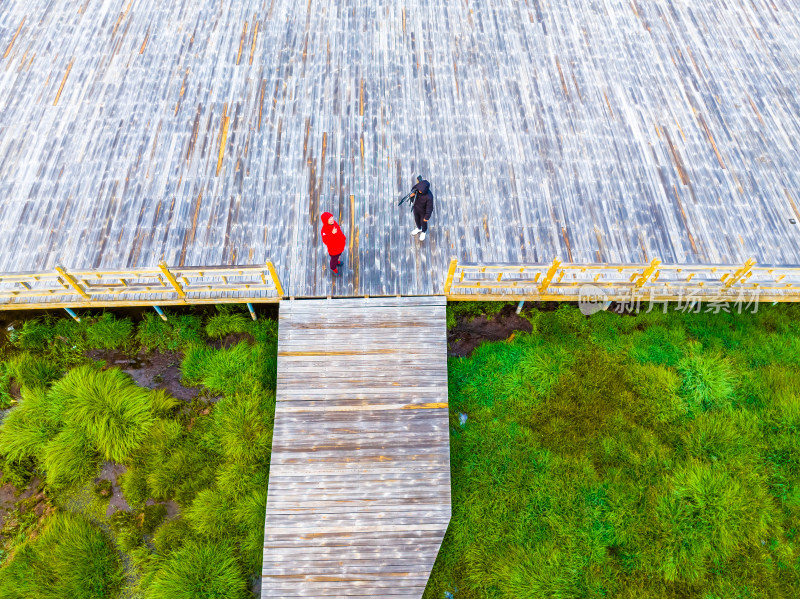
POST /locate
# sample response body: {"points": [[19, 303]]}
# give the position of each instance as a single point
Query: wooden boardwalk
{"points": [[359, 487], [206, 133]]}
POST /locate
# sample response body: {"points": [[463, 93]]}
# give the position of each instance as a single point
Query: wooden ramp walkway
{"points": [[359, 489]]}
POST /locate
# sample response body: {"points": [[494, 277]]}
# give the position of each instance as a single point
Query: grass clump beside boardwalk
{"points": [[183, 513], [71, 558], [655, 455], [87, 416]]}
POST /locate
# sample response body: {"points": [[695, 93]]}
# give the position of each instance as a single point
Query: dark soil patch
{"points": [[110, 472], [154, 370], [469, 334], [230, 340], [10, 495], [544, 306], [622, 308]]}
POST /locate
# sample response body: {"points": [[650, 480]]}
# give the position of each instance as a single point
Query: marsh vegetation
{"points": [[137, 493], [655, 455]]}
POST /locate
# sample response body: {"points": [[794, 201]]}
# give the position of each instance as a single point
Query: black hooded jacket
{"points": [[423, 201]]}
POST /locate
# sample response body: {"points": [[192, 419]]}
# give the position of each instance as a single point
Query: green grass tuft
{"points": [[71, 558], [5, 386], [110, 332], [707, 518], [112, 412], [87, 416], [68, 458], [29, 370], [63, 340], [177, 333], [210, 515], [29, 427], [163, 404], [134, 487], [243, 368], [223, 324], [208, 570], [708, 381], [172, 535], [243, 426], [265, 332], [18, 473]]}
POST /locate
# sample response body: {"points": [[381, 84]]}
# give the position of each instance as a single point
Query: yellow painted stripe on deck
{"points": [[13, 39], [366, 352], [63, 81], [144, 43], [223, 138], [241, 43], [255, 37]]}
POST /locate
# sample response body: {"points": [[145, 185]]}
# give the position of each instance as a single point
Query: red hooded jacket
{"points": [[332, 235]]}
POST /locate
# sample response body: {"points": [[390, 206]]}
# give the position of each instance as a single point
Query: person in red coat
{"points": [[334, 240]]}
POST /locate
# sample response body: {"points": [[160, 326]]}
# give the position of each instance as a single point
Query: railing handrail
{"points": [[626, 265], [476, 280], [161, 279]]}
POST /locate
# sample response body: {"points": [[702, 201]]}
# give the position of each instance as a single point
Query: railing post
{"points": [[646, 274], [275, 280], [165, 271], [551, 272], [73, 283], [740, 273], [448, 282]]}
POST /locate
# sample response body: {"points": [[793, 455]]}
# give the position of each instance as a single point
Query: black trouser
{"points": [[335, 262], [419, 218]]}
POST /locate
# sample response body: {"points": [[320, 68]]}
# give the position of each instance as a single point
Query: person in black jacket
{"points": [[422, 206]]}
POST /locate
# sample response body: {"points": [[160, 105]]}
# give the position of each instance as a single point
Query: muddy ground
{"points": [[9, 495], [470, 332], [230, 340], [153, 370], [111, 472]]}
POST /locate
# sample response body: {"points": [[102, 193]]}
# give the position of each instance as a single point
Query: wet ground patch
{"points": [[10, 496], [111, 472], [470, 330], [230, 340], [154, 370]]}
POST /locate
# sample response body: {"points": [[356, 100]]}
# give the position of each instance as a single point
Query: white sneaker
{"points": [[415, 231], [422, 237]]}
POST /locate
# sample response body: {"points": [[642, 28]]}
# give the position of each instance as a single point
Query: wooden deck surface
{"points": [[359, 487], [208, 133]]}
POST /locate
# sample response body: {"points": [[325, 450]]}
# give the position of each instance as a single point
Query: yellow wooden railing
{"points": [[140, 286], [557, 281]]}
